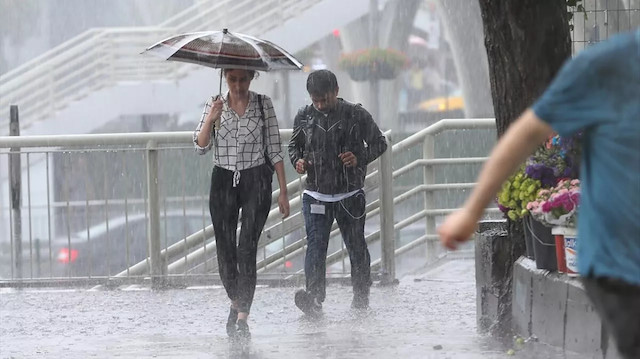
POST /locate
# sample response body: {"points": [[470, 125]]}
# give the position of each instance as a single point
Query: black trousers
{"points": [[237, 258], [618, 304]]}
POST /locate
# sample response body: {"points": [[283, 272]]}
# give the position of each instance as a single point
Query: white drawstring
{"points": [[236, 178]]}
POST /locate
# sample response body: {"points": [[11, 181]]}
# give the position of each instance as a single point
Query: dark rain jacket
{"points": [[319, 139]]}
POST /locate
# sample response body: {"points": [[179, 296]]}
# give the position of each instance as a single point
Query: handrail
{"points": [[105, 139], [199, 245]]}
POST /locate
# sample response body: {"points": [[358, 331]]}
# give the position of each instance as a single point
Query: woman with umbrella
{"points": [[244, 144], [242, 128]]}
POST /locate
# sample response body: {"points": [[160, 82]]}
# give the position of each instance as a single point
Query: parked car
{"points": [[111, 246]]}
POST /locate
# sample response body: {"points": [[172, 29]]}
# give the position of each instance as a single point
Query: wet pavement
{"points": [[431, 315]]}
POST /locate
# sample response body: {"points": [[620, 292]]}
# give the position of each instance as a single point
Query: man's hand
{"points": [[348, 159], [457, 228], [301, 166], [283, 204]]}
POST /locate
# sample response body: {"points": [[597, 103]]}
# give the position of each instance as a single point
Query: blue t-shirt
{"points": [[599, 92]]}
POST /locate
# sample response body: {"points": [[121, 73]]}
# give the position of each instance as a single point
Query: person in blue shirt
{"points": [[597, 92]]}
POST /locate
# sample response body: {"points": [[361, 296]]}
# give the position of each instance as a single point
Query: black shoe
{"points": [[307, 303], [243, 329], [231, 322], [360, 302]]}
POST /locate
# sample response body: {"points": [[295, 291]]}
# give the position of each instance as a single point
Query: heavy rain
{"points": [[268, 179]]}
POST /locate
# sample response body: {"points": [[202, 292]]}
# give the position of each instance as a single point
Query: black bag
{"points": [[265, 135]]}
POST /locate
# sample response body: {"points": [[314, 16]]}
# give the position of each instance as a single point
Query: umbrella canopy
{"points": [[224, 49]]}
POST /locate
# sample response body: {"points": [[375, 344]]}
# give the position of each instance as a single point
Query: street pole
{"points": [[15, 181]]}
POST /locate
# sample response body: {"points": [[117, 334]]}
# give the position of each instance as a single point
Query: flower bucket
{"points": [[568, 238], [528, 238], [544, 246]]}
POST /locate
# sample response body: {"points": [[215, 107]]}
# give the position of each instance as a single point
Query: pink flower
{"points": [[575, 198], [568, 206]]}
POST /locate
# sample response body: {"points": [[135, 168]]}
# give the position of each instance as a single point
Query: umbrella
{"points": [[223, 50]]}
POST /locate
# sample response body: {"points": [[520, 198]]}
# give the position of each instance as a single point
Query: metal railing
{"points": [[103, 57], [402, 191]]}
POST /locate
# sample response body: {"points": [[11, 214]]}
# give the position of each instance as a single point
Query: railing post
{"points": [[15, 191], [386, 216], [428, 153], [157, 268]]}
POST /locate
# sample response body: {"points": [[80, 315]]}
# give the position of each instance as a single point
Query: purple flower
{"points": [[502, 208], [542, 173]]}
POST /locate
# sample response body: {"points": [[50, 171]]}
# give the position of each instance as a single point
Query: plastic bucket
{"points": [[544, 246], [569, 243]]}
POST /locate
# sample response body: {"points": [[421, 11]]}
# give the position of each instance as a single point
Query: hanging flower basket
{"points": [[373, 64], [359, 73]]}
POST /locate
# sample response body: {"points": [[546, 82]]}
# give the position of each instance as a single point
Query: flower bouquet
{"points": [[558, 158], [516, 192], [557, 206]]}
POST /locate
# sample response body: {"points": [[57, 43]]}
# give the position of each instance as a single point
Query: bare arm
{"points": [[204, 135], [520, 140], [283, 198]]}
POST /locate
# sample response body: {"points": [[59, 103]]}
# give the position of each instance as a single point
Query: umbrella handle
{"points": [[216, 124], [220, 89]]}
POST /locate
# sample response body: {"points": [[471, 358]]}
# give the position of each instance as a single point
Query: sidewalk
{"points": [[427, 316]]}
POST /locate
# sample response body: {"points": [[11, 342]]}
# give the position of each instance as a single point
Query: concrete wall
{"points": [[550, 310], [556, 310]]}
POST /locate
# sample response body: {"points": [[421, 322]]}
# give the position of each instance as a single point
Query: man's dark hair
{"points": [[321, 82]]}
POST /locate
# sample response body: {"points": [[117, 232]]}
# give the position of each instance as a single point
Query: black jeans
{"points": [[237, 259], [618, 304], [350, 215]]}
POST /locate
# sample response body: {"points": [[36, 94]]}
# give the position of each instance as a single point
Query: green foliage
{"points": [[369, 57]]}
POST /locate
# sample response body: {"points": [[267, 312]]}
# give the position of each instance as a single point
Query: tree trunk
{"points": [[527, 41]]}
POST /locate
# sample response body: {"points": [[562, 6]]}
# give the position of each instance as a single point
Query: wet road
{"points": [[431, 315]]}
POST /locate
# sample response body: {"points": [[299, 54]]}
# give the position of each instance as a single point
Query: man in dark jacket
{"points": [[333, 142]]}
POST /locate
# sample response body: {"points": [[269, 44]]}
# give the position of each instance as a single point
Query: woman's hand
{"points": [[283, 204], [216, 110]]}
